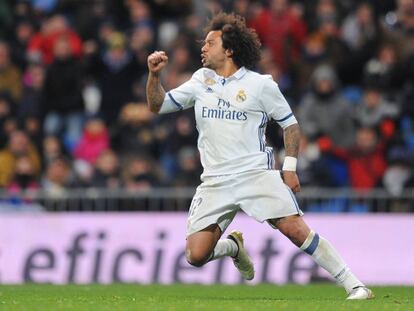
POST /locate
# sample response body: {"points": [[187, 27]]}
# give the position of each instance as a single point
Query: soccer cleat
{"points": [[242, 260], [360, 293]]}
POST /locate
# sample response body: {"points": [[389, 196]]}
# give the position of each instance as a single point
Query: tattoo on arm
{"points": [[291, 137], [155, 92]]}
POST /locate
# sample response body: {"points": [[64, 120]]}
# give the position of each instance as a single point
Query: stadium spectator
{"points": [[312, 169], [6, 116], [139, 13], [314, 54], [407, 133], [366, 159], [321, 11], [52, 149], [94, 140], [19, 145], [406, 124], [82, 173], [33, 83], [6, 18], [360, 29], [58, 177], [41, 47], [33, 128], [324, 110], [180, 60], [361, 33], [115, 70], [242, 8], [62, 103], [88, 17], [189, 168], [98, 43], [106, 171], [133, 132], [337, 52], [399, 29], [24, 31], [10, 75], [385, 71], [374, 109], [282, 31], [25, 176], [142, 41], [139, 174], [182, 135], [399, 174], [44, 7], [266, 65]]}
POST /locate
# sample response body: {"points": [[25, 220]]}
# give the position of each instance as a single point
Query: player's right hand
{"points": [[291, 179], [157, 61]]}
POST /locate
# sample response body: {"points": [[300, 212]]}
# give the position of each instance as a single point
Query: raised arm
{"points": [[291, 137], [155, 92]]}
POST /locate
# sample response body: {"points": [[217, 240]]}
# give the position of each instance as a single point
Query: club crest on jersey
{"points": [[209, 81], [241, 96], [209, 77]]}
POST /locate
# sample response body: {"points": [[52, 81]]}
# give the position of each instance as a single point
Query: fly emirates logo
{"points": [[223, 111]]}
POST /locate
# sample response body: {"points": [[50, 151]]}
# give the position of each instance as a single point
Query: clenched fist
{"points": [[157, 61]]}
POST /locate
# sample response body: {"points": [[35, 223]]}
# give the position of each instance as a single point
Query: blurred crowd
{"points": [[72, 90]]}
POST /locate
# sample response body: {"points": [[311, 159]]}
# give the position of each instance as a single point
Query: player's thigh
{"points": [[263, 195], [213, 204]]}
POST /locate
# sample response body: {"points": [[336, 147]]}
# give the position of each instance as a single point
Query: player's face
{"points": [[212, 53]]}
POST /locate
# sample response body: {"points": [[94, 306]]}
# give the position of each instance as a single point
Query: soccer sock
{"points": [[328, 258], [224, 247]]}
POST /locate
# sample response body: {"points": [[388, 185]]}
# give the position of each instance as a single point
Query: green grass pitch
{"points": [[197, 297]]}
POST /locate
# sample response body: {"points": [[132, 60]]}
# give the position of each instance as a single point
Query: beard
{"points": [[206, 63]]}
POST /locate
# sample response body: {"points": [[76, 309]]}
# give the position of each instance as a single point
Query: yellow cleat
{"points": [[242, 260]]}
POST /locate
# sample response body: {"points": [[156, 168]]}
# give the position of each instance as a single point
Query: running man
{"points": [[232, 106]]}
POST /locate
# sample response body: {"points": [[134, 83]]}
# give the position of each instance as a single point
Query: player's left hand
{"points": [[291, 179]]}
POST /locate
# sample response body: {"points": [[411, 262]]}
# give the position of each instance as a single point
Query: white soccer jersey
{"points": [[231, 115]]}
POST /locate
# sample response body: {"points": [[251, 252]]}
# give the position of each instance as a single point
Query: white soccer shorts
{"points": [[261, 194]]}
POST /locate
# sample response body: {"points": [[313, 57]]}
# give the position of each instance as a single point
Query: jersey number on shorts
{"points": [[194, 204]]}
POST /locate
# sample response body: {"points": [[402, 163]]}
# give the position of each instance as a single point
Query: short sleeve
{"points": [[275, 104], [180, 98]]}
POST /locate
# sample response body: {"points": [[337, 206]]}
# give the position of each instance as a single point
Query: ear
{"points": [[228, 52]]}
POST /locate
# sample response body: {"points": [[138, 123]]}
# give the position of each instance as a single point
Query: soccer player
{"points": [[232, 106]]}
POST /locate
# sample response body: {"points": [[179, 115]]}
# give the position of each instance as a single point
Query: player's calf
{"points": [[325, 255], [293, 227]]}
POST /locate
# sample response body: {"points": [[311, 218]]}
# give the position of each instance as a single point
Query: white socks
{"points": [[328, 258], [224, 247], [321, 251]]}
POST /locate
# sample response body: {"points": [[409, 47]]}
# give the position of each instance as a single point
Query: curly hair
{"points": [[236, 36]]}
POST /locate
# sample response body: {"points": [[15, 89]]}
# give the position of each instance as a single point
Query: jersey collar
{"points": [[237, 75], [211, 74]]}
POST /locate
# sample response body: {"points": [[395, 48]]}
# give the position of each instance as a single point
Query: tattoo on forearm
{"points": [[291, 137], [155, 93]]}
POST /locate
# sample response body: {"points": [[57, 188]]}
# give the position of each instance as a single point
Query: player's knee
{"points": [[196, 259]]}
